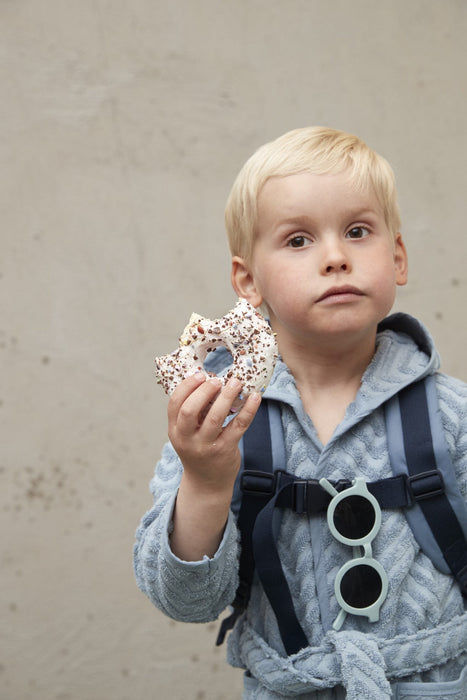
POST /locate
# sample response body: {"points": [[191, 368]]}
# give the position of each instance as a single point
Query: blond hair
{"points": [[317, 150]]}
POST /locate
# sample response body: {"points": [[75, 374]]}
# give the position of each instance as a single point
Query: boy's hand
{"points": [[211, 459], [209, 452]]}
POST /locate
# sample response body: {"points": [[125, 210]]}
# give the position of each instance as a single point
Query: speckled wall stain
{"points": [[123, 127]]}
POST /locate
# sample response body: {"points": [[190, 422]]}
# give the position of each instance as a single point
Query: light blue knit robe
{"points": [[418, 648]]}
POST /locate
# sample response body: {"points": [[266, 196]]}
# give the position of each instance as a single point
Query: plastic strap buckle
{"points": [[300, 496], [425, 485], [309, 497], [257, 483]]}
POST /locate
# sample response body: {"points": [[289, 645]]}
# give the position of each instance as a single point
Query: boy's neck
{"points": [[328, 379], [324, 365]]}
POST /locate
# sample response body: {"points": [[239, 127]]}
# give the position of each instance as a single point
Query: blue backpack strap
{"points": [[417, 448], [273, 579], [260, 483], [253, 488]]}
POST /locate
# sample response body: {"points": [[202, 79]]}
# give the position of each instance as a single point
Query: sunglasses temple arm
{"points": [[327, 486], [339, 621]]}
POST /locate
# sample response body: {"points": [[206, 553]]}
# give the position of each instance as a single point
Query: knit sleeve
{"points": [[452, 395], [186, 591]]}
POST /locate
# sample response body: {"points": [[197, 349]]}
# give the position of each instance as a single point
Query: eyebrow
{"points": [[351, 214], [294, 220], [362, 213]]}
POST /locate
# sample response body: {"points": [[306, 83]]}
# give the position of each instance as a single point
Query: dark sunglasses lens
{"points": [[361, 586], [354, 517]]}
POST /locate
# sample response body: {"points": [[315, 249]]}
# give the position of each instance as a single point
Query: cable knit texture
{"points": [[421, 637]]}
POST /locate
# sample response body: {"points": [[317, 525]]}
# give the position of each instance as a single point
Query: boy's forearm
{"points": [[208, 446], [199, 521]]}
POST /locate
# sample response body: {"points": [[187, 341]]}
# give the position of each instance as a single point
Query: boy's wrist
{"points": [[208, 492], [200, 517]]}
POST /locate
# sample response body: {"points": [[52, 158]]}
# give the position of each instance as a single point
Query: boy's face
{"points": [[324, 262]]}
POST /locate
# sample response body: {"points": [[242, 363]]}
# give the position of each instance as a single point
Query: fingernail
{"points": [[235, 384]]}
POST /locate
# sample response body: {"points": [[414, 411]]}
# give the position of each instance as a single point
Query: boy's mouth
{"points": [[344, 293]]}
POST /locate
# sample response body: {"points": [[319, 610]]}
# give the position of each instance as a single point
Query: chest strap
{"points": [[306, 496]]}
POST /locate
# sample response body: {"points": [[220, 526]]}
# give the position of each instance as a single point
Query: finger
{"points": [[183, 391], [215, 420], [190, 413], [216, 414], [244, 418]]}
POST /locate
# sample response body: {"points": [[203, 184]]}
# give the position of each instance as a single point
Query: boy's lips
{"points": [[346, 292]]}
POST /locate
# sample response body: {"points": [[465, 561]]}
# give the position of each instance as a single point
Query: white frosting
{"points": [[243, 332]]}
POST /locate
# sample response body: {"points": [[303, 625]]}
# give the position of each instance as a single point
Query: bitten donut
{"points": [[243, 332]]}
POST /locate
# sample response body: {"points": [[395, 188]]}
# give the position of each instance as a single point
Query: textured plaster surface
{"points": [[123, 125]]}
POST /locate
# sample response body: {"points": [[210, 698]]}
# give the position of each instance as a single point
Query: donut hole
{"points": [[217, 359]]}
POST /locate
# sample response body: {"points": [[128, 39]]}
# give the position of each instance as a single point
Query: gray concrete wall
{"points": [[123, 125]]}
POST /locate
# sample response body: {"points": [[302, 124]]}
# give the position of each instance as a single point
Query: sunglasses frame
{"points": [[358, 488]]}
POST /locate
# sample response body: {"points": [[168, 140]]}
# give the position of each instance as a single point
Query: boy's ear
{"points": [[401, 261], [243, 282]]}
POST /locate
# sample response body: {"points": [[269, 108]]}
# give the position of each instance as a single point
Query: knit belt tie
{"points": [[362, 663]]}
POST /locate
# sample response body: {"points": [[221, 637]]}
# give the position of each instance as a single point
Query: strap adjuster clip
{"points": [[425, 485], [304, 496], [257, 483]]}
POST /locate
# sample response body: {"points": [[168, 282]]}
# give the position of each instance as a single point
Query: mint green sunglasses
{"points": [[354, 518]]}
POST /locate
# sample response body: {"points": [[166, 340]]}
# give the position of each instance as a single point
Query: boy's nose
{"points": [[342, 267], [335, 258]]}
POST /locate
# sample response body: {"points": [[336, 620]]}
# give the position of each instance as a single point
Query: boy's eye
{"points": [[297, 242], [357, 232]]}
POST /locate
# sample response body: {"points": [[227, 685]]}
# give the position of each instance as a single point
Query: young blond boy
{"points": [[314, 232]]}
